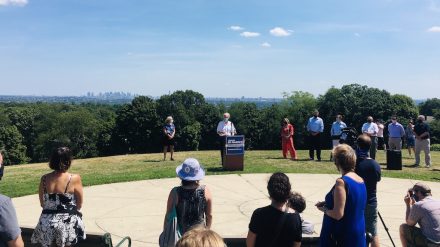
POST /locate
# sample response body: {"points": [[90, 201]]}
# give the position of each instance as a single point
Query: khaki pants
{"points": [[395, 143], [425, 146]]}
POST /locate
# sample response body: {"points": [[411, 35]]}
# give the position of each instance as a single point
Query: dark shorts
{"points": [[167, 142], [414, 237], [380, 142], [410, 142], [371, 219]]}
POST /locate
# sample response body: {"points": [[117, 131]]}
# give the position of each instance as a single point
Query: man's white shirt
{"points": [[227, 128]]}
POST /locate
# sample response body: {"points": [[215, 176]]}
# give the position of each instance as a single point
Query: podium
{"points": [[233, 155]]}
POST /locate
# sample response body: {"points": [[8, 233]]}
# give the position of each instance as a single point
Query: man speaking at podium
{"points": [[225, 128]]}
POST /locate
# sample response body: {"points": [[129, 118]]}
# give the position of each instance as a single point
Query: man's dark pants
{"points": [[222, 141], [315, 144]]}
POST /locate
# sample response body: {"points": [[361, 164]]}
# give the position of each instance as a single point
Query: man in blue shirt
{"points": [[315, 127], [336, 131], [395, 134], [369, 170], [10, 233]]}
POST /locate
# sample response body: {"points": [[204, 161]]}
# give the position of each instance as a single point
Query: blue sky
{"points": [[220, 48]]}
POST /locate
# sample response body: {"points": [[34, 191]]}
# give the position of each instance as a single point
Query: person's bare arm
{"points": [[296, 244], [41, 191], [78, 191], [169, 207], [18, 242], [250, 239], [208, 212], [339, 195], [409, 201]]}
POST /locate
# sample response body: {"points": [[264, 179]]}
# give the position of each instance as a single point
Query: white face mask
{"points": [[226, 119], [394, 121]]}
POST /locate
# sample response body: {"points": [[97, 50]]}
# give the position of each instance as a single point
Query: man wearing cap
{"points": [[315, 126], [421, 209], [225, 128], [10, 233], [370, 128], [421, 130], [395, 134]]}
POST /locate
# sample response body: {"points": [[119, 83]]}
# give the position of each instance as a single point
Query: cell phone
{"points": [[411, 193]]}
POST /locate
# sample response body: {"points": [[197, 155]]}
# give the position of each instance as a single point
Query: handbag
{"points": [[171, 234]]}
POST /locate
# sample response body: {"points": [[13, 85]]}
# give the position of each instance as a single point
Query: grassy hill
{"points": [[23, 179]]}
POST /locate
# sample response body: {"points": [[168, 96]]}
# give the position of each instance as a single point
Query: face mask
{"points": [[420, 121], [338, 120], [416, 198], [172, 121], [226, 119], [369, 120], [394, 121]]}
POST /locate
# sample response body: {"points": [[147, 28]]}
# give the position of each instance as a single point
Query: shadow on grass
{"points": [[150, 161], [275, 158]]}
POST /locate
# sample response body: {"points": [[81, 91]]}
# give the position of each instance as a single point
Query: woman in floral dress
{"points": [[61, 197]]}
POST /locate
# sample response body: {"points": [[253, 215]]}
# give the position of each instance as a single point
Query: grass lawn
{"points": [[23, 179]]}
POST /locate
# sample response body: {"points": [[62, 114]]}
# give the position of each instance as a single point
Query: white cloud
{"points": [[434, 29], [265, 44], [249, 34], [357, 35], [235, 28], [13, 2], [280, 32]]}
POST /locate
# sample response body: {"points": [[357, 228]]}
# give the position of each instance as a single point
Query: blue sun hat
{"points": [[190, 170]]}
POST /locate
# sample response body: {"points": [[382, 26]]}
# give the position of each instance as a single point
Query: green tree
{"points": [[245, 117], [298, 107], [186, 108], [11, 145], [137, 127], [428, 107]]}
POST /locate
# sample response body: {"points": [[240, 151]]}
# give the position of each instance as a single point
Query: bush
{"points": [[435, 147]]}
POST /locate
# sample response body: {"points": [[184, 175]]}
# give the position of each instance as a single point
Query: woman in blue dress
{"points": [[344, 205]]}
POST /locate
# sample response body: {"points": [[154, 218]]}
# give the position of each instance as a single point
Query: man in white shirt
{"points": [[225, 128], [370, 128]]}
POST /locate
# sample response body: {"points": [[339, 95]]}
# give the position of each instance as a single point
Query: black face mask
{"points": [[416, 198], [419, 121]]}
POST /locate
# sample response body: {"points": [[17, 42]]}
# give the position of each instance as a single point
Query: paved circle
{"points": [[137, 209]]}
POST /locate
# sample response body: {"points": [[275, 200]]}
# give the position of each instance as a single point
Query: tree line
{"points": [[29, 131]]}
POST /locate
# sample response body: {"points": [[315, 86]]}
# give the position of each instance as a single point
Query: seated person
{"points": [[10, 233], [298, 203], [424, 210]]}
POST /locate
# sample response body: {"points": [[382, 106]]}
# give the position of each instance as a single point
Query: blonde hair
{"points": [[345, 157], [200, 237], [168, 119], [286, 120]]}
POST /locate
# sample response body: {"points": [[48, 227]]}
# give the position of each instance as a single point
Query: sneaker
{"points": [[428, 166], [172, 159], [311, 158]]}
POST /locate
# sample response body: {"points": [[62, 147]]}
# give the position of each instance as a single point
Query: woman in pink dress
{"points": [[287, 132]]}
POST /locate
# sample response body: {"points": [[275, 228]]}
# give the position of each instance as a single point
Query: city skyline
{"points": [[220, 49]]}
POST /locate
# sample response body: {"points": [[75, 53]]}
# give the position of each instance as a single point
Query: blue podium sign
{"points": [[234, 145]]}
